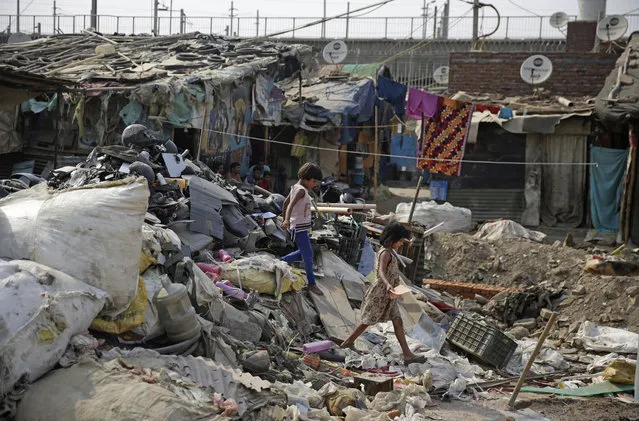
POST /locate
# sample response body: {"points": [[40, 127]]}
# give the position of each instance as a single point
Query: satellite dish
{"points": [[335, 52], [536, 69], [441, 75], [18, 38], [559, 20], [612, 27]]}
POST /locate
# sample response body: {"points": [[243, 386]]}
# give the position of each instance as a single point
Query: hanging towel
{"points": [[393, 92], [420, 102], [606, 186], [445, 138], [494, 109]]}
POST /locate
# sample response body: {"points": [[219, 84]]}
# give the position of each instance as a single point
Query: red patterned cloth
{"points": [[445, 138], [494, 109]]}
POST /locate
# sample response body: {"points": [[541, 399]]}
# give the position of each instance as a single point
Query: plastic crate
{"points": [[486, 343]]}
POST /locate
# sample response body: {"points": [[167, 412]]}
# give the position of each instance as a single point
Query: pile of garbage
{"points": [[141, 276]]}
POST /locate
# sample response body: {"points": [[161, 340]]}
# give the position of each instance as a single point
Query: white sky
{"points": [[298, 8]]}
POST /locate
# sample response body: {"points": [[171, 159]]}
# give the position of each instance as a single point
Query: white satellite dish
{"points": [[536, 69], [441, 75], [335, 52], [612, 27], [559, 20]]}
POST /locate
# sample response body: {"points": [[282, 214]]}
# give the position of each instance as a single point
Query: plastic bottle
{"points": [[209, 268], [315, 347], [224, 256]]}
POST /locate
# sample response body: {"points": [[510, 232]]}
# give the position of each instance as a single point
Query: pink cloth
{"points": [[420, 102]]}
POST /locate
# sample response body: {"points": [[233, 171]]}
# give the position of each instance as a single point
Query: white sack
{"points": [[505, 229], [93, 234], [429, 213], [607, 339], [40, 310]]}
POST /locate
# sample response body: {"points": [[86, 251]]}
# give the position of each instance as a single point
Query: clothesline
{"points": [[466, 161]]}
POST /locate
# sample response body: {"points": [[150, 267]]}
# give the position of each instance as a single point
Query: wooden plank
{"points": [[334, 310]]}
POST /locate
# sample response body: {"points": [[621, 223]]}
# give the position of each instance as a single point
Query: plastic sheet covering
{"points": [[606, 186]]}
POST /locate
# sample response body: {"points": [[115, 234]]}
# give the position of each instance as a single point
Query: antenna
{"points": [[612, 28], [335, 52], [559, 20], [536, 69], [441, 75]]}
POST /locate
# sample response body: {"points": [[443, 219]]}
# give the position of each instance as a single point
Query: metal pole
{"points": [[265, 25], [210, 25], [348, 16], [324, 22], [34, 24], [257, 24], [424, 20], [155, 17], [18, 17], [133, 25], [385, 28], [54, 21], [293, 27], [411, 28], [541, 24], [182, 21], [117, 24], [507, 25], [475, 23], [446, 13], [231, 28], [74, 24], [94, 13], [171, 17], [435, 23]]}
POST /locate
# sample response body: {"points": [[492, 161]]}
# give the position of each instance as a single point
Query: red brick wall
{"points": [[574, 74]]}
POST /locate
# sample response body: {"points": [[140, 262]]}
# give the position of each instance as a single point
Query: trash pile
{"points": [[141, 276]]}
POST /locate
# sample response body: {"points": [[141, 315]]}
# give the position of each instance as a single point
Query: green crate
{"points": [[486, 343]]}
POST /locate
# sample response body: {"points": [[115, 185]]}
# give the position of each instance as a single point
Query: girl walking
{"points": [[380, 303], [297, 219]]}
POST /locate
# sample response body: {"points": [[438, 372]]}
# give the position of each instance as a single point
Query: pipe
{"points": [[354, 206], [565, 101], [328, 209]]}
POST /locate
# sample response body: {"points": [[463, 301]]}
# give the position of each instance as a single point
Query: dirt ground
{"points": [[520, 264]]}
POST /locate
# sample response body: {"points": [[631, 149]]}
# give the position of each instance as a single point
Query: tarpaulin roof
{"points": [[618, 101], [331, 104]]}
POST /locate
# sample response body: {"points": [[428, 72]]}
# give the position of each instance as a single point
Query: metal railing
{"points": [[510, 27]]}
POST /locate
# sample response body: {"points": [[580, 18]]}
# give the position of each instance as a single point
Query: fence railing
{"points": [[507, 27]]}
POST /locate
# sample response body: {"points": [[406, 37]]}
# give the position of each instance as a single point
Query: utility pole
{"points": [[435, 23], [155, 17], [182, 21], [425, 17], [18, 18], [324, 22], [94, 14], [257, 24], [475, 23], [54, 18], [171, 17], [348, 17], [445, 20], [233, 9]]}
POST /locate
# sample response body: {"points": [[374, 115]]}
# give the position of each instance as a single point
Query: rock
{"points": [[545, 313], [574, 327], [580, 290], [569, 241], [529, 324], [633, 290], [483, 300], [519, 332], [610, 293]]}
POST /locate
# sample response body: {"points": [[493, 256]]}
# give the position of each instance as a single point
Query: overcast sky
{"points": [[299, 8]]}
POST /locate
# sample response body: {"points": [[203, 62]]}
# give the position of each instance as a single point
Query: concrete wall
{"points": [[574, 74]]}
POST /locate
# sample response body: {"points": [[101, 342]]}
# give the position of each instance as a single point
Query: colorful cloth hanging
{"points": [[445, 138], [422, 103]]}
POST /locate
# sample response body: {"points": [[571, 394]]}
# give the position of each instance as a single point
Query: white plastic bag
{"points": [[505, 229], [92, 233], [607, 339], [40, 310], [430, 214]]}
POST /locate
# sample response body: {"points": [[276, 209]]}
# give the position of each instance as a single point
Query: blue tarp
{"points": [[606, 186], [404, 145]]}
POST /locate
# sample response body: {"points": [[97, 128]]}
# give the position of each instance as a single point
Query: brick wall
{"points": [[581, 36], [574, 74]]}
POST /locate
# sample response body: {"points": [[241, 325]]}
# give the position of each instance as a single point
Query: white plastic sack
{"points": [[93, 234], [505, 229], [429, 213], [607, 339], [40, 310]]}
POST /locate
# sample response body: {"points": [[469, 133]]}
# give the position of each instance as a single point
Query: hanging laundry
{"points": [[393, 92], [422, 103], [506, 113], [606, 186], [445, 138], [494, 109]]}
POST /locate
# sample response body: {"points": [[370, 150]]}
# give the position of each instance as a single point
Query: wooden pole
{"points": [[412, 208], [376, 166], [522, 378]]}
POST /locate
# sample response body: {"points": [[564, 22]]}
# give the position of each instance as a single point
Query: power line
{"points": [[523, 8]]}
